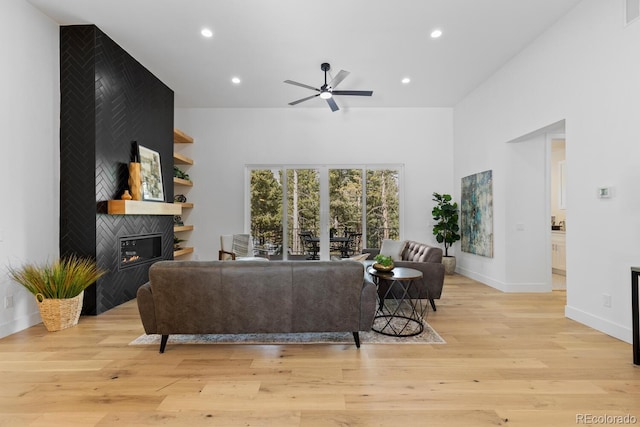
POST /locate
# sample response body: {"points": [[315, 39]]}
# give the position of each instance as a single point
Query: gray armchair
{"points": [[428, 260]]}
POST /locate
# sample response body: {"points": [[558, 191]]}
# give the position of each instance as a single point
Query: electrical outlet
{"points": [[606, 300], [8, 301]]}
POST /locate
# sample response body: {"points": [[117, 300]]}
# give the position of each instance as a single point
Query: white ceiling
{"points": [[265, 42]]}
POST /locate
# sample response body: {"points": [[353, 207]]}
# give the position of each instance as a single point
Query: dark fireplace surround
{"points": [[109, 100]]}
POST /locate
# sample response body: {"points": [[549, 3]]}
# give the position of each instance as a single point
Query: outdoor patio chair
{"points": [[239, 247]]}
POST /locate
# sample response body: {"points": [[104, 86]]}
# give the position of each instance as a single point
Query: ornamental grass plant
{"points": [[62, 279]]}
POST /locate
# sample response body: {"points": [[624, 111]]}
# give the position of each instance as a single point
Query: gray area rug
{"points": [[428, 336]]}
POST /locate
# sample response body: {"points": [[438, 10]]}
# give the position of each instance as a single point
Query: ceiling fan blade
{"points": [[303, 99], [291, 82], [353, 92], [338, 78], [332, 104]]}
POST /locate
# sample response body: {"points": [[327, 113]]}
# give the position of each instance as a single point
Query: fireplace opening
{"points": [[141, 249]]}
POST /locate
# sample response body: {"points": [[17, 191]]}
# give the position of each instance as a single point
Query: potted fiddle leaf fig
{"points": [[446, 228], [58, 287]]}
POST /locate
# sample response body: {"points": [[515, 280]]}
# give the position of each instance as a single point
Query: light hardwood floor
{"points": [[510, 359]]}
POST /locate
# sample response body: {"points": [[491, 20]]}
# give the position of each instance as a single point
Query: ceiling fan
{"points": [[326, 91]]}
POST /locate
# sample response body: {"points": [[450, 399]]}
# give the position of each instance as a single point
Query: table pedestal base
{"points": [[394, 325], [398, 315]]}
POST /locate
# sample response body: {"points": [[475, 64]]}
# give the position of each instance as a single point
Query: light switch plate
{"points": [[604, 192]]}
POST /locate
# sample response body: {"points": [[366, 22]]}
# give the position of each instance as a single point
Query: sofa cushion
{"points": [[392, 248], [420, 252]]}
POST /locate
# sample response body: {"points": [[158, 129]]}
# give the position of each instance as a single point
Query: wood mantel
{"points": [[141, 207]]}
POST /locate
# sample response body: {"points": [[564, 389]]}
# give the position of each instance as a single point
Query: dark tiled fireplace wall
{"points": [[108, 100]]}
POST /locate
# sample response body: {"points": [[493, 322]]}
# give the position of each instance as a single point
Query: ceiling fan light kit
{"points": [[326, 91]]}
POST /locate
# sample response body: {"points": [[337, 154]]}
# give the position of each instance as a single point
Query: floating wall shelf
{"points": [[181, 181], [180, 137], [180, 159], [182, 251]]}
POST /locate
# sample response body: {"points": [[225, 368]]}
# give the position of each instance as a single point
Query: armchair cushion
{"points": [[392, 248], [240, 245]]}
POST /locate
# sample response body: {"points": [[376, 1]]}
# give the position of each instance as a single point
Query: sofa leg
{"points": [[163, 343], [356, 337], [433, 304]]}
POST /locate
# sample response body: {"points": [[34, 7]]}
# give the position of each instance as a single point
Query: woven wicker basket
{"points": [[58, 314]]}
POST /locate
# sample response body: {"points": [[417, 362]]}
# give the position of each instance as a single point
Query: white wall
{"points": [[228, 139], [29, 115], [585, 70], [557, 156], [525, 220]]}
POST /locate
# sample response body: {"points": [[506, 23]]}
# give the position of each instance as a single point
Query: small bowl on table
{"points": [[383, 268]]}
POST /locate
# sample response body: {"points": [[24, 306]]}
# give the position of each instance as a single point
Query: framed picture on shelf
{"points": [[151, 173]]}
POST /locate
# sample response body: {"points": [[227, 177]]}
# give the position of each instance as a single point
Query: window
{"points": [[331, 211]]}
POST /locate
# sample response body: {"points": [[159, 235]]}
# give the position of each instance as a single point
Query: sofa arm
{"points": [[368, 297], [147, 309], [372, 251], [432, 276]]}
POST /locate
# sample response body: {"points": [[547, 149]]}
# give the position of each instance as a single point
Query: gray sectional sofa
{"points": [[216, 297]]}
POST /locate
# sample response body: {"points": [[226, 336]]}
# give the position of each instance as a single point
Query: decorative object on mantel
{"points": [[135, 179], [151, 169], [126, 195], [383, 263], [445, 214], [180, 198], [58, 288]]}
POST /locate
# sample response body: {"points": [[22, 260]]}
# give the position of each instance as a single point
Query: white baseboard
{"points": [[17, 325], [615, 330], [605, 326], [505, 287], [481, 278]]}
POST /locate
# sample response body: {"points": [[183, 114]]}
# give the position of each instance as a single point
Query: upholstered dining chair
{"points": [[239, 247]]}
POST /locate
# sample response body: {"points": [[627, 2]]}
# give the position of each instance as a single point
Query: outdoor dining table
{"points": [[343, 246]]}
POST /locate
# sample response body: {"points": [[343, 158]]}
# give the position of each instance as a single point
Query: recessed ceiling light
{"points": [[436, 33], [235, 80], [406, 80], [206, 32]]}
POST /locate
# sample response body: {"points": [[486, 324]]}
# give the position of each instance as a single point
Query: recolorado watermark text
{"points": [[605, 419]]}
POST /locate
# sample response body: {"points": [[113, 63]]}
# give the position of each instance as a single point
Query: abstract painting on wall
{"points": [[476, 209]]}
